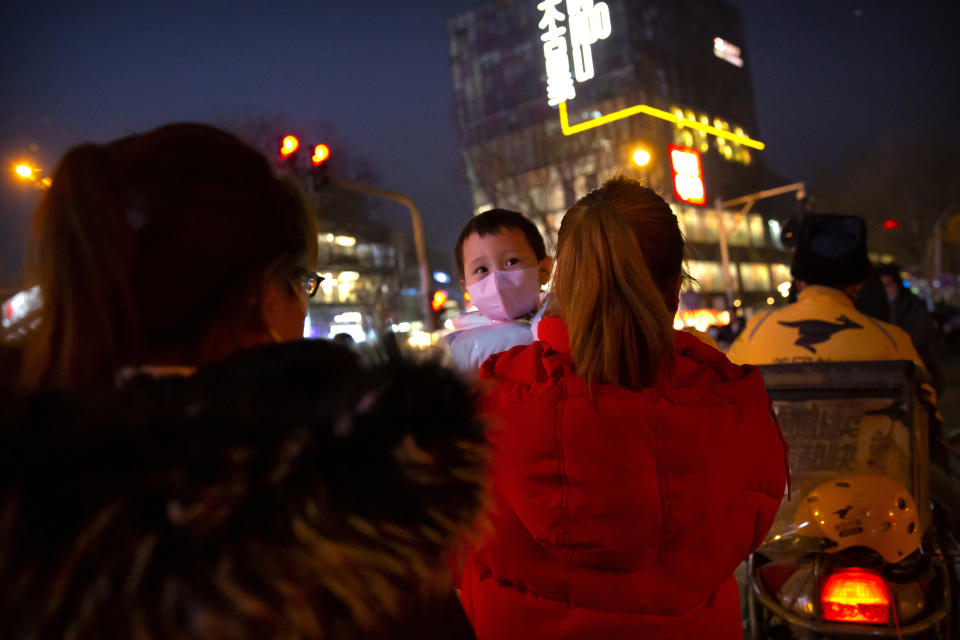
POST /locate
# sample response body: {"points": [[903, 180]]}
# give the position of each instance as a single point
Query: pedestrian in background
{"points": [[634, 466], [170, 249], [910, 313]]}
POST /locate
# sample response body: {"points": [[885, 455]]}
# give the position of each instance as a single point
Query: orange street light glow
{"points": [[641, 157], [569, 130], [24, 171]]}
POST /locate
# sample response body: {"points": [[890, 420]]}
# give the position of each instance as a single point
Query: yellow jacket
{"points": [[821, 325]]}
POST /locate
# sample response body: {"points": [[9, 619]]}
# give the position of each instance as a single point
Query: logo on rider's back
{"points": [[816, 331]]}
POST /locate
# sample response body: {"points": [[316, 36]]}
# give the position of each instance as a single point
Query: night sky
{"points": [[830, 76]]}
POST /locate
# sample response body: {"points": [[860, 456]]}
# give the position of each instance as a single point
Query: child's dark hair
{"points": [[495, 220]]}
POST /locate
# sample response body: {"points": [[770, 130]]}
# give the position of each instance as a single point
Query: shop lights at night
{"points": [[700, 319], [570, 129], [587, 23], [343, 241], [348, 317]]}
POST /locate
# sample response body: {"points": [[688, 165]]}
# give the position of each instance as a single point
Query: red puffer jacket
{"points": [[624, 517]]}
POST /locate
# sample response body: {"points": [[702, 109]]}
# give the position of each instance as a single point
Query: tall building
{"points": [[554, 97]]}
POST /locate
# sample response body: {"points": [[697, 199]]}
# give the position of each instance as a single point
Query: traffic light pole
{"points": [[418, 241], [722, 231]]}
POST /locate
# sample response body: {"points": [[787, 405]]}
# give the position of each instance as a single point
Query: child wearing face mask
{"points": [[502, 263]]}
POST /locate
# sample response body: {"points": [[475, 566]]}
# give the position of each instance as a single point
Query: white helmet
{"points": [[867, 510]]}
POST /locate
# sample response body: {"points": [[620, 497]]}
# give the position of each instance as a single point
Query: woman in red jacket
{"points": [[635, 466]]}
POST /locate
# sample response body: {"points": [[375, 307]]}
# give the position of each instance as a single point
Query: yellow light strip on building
{"points": [[569, 130]]}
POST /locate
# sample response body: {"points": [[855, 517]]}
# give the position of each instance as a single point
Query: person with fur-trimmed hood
{"points": [[286, 492]]}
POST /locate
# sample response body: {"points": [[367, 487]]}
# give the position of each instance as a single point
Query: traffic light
{"points": [[439, 299], [687, 175], [437, 304], [288, 146], [321, 154]]}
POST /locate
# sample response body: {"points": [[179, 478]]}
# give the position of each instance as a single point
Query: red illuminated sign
{"points": [[687, 175]]}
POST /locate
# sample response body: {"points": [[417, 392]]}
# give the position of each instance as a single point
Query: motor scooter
{"points": [[858, 551]]}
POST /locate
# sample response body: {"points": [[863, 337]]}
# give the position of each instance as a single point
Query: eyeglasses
{"points": [[309, 281]]}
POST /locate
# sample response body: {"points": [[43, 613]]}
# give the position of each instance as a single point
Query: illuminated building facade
{"points": [[361, 286], [554, 97]]}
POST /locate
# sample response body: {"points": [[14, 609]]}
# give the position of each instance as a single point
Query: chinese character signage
{"points": [[686, 136], [586, 23]]}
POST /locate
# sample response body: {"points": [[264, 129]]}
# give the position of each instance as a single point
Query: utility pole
{"points": [[418, 241]]}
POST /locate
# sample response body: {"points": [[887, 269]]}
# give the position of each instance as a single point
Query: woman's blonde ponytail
{"points": [[612, 284]]}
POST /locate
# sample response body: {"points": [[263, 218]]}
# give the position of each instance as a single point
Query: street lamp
{"points": [[24, 171], [641, 157]]}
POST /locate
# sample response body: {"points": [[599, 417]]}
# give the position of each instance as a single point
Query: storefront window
{"points": [[708, 274], [775, 234], [754, 276], [757, 236], [739, 234], [710, 227], [780, 273], [697, 225], [347, 287]]}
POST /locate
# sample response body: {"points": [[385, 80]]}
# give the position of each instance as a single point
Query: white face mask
{"points": [[506, 295]]}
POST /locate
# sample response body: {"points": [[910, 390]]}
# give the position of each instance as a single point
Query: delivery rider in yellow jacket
{"points": [[829, 265]]}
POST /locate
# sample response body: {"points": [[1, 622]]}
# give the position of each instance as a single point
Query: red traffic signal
{"points": [[439, 299], [687, 175], [289, 146], [321, 153], [890, 225]]}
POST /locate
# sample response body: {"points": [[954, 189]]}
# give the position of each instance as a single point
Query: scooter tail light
{"points": [[855, 595]]}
